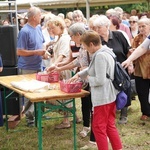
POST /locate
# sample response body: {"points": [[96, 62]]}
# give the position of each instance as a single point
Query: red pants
{"points": [[104, 126]]}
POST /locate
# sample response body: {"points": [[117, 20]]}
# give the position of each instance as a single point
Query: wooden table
{"points": [[39, 98]]}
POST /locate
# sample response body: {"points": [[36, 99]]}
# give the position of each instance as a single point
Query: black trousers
{"points": [[142, 87], [86, 107]]}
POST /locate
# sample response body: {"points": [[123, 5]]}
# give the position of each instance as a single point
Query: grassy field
{"points": [[135, 135]]}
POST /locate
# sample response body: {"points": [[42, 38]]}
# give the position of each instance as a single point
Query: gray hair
{"points": [[144, 20], [33, 11], [47, 18], [109, 12], [119, 10], [102, 20], [77, 28]]}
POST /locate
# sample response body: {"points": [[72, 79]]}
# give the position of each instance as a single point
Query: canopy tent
{"points": [[22, 4], [50, 4]]}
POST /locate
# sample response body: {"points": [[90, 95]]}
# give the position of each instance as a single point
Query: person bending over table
{"points": [[103, 93], [82, 61]]}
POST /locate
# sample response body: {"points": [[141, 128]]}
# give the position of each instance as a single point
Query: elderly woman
{"points": [[142, 69], [133, 20], [103, 93], [61, 50], [114, 26], [82, 61], [120, 46], [77, 16], [91, 20], [48, 37]]}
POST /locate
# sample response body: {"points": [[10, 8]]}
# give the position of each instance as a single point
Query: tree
{"points": [[140, 7]]}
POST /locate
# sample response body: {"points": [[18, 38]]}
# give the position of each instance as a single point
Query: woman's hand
{"points": [[47, 55], [75, 78], [130, 68], [126, 63], [50, 69]]}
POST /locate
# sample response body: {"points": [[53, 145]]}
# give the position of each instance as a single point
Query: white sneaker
{"points": [[91, 145], [85, 131]]}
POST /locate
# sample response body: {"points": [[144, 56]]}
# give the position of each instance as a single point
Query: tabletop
{"points": [[37, 97]]}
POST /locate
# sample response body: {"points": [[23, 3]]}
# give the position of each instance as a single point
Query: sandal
{"points": [[63, 126], [78, 120], [144, 117], [85, 131]]}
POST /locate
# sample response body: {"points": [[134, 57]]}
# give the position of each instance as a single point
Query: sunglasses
{"points": [[132, 21]]}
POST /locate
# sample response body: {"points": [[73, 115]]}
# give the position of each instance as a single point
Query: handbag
{"points": [[121, 100]]}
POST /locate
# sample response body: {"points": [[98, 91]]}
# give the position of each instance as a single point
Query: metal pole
{"points": [[9, 4], [87, 10]]}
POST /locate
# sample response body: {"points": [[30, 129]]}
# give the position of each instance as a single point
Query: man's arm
{"points": [[39, 52]]}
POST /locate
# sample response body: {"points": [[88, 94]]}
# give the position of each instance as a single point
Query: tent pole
{"points": [[87, 10]]}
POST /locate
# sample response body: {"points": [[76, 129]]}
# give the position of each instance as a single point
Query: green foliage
{"points": [[140, 7]]}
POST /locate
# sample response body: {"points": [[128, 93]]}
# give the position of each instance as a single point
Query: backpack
{"points": [[121, 79]]}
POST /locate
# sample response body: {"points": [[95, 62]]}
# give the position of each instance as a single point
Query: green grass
{"points": [[135, 135]]}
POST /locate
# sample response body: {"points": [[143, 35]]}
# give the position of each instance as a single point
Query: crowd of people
{"points": [[72, 44]]}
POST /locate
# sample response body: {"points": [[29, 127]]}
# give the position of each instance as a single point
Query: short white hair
{"points": [[102, 20], [135, 18], [109, 12], [61, 15], [119, 10], [144, 20]]}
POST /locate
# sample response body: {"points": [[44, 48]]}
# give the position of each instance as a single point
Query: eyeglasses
{"points": [[132, 21]]}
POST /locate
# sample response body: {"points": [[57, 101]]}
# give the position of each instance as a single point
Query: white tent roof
{"points": [[25, 4], [70, 3]]}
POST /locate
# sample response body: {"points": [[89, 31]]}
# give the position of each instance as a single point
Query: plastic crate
{"points": [[70, 87], [51, 78]]}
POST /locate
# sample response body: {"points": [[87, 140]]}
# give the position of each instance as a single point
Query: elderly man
{"points": [[30, 51]]}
